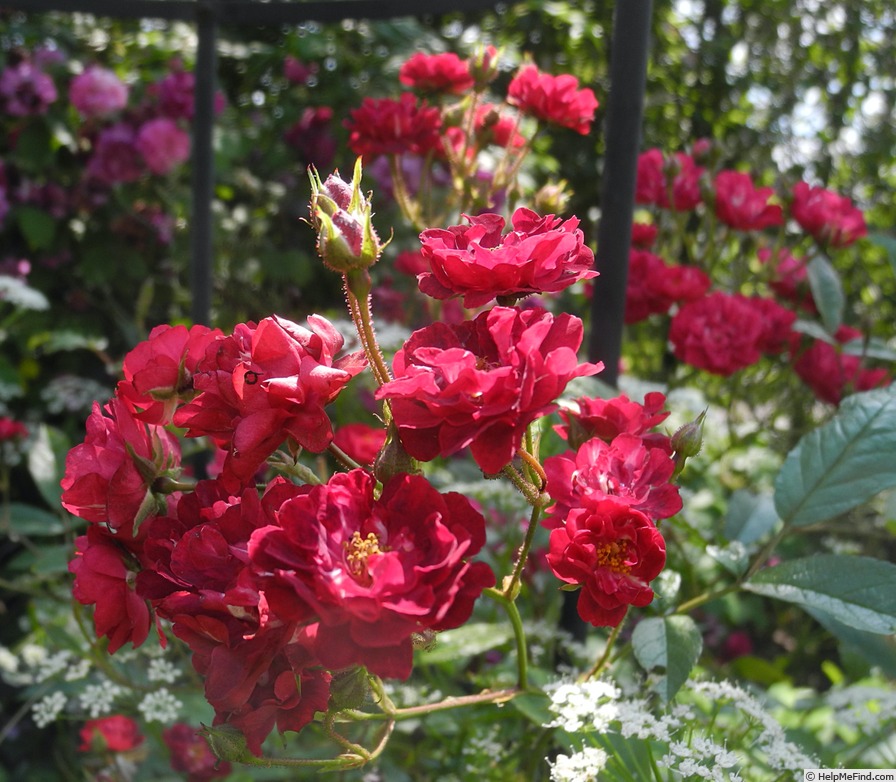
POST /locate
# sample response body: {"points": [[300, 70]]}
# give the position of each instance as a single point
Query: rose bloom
{"points": [[191, 754], [742, 205], [110, 734], [26, 90], [653, 286], [115, 158], [831, 373], [437, 73], [493, 127], [108, 478], [105, 576], [655, 174], [790, 278], [481, 383], [553, 99], [175, 94], [776, 324], [296, 71], [360, 441], [265, 383], [163, 144], [611, 551], [626, 468], [720, 333], [158, 372], [644, 235], [374, 570], [10, 429], [478, 262], [385, 126], [608, 418], [97, 92], [828, 217], [311, 136]]}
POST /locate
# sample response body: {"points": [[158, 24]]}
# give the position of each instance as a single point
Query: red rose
{"points": [[828, 217], [11, 429], [360, 441], [104, 578], [110, 734], [789, 278], [438, 73], [608, 418], [720, 333], [611, 551], [109, 477], [478, 262], [626, 469], [776, 322], [654, 286], [742, 205], [384, 126], [482, 382], [650, 181], [265, 383], [657, 174], [644, 235], [493, 127], [191, 754], [553, 99], [374, 570]]}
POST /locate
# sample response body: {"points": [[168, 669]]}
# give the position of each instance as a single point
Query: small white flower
{"points": [[161, 670], [77, 671], [582, 766], [160, 706], [9, 663], [48, 709], [97, 699], [33, 655]]}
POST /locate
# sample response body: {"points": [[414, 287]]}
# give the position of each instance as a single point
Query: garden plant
{"points": [[398, 527]]}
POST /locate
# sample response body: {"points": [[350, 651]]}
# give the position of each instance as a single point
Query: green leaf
{"points": [[888, 243], [841, 464], [878, 650], [812, 329], [467, 641], [858, 591], [46, 463], [37, 226], [34, 146], [827, 292], [29, 521], [750, 516], [670, 645]]}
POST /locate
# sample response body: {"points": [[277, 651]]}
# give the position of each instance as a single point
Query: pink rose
{"points": [[163, 144], [97, 92], [556, 100]]}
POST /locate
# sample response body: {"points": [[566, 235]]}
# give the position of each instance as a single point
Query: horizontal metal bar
{"points": [[255, 12]]}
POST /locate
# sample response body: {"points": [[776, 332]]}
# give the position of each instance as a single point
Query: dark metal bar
{"points": [[625, 110], [203, 161]]}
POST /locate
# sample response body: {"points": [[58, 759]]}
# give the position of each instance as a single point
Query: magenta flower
{"points": [[115, 157], [478, 262], [437, 73], [26, 90], [385, 126], [163, 144], [482, 382], [97, 92], [608, 418], [374, 570], [611, 551], [828, 217], [556, 100], [742, 205]]}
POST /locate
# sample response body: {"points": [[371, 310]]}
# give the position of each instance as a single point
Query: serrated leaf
{"points": [[858, 591], [841, 464], [827, 292], [750, 516], [467, 641], [671, 644]]}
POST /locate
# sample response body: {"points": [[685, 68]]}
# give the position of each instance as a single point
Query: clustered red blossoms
{"points": [[557, 100]]}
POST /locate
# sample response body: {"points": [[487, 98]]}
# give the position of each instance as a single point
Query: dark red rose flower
{"points": [[158, 372], [360, 441], [742, 205], [105, 576], [10, 429], [480, 383], [493, 127], [191, 754], [650, 182], [611, 551], [553, 99], [374, 570], [265, 383], [790, 278], [478, 262], [385, 126], [776, 324], [109, 477], [644, 235], [671, 183], [720, 333], [654, 286], [436, 73], [828, 217], [627, 469], [116, 733], [312, 137], [831, 373], [608, 418]]}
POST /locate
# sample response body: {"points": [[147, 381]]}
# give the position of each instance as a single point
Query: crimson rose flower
{"points": [[627, 469], [360, 441], [790, 278], [110, 734], [553, 99], [608, 418], [440, 73], [720, 333], [103, 578], [374, 570], [109, 477], [480, 383], [540, 255], [611, 551], [776, 322], [385, 126], [265, 383], [191, 754], [828, 217], [654, 286], [655, 175], [742, 205]]}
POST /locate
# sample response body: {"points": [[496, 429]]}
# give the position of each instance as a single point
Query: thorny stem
{"points": [[359, 309], [608, 650], [342, 457], [512, 588], [535, 466], [412, 712], [533, 496]]}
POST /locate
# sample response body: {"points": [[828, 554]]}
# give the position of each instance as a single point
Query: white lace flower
{"points": [[47, 709], [581, 766]]}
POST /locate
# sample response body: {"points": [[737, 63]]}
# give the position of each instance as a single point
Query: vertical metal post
{"points": [[625, 110], [203, 162]]}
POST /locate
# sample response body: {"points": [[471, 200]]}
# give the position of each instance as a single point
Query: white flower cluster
{"points": [[702, 758], [866, 708], [162, 670], [97, 699], [582, 766], [47, 710], [35, 665], [160, 706]]}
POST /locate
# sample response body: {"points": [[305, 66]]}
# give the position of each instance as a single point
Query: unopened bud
{"points": [[349, 689], [484, 66], [227, 743], [687, 441], [393, 459], [341, 214], [552, 198]]}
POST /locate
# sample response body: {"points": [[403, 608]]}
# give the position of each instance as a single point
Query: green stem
{"points": [[522, 658], [705, 597], [357, 292], [533, 496], [512, 588], [608, 650], [413, 712]]}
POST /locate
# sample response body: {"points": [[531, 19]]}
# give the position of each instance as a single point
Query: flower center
{"points": [[613, 555], [357, 551]]}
